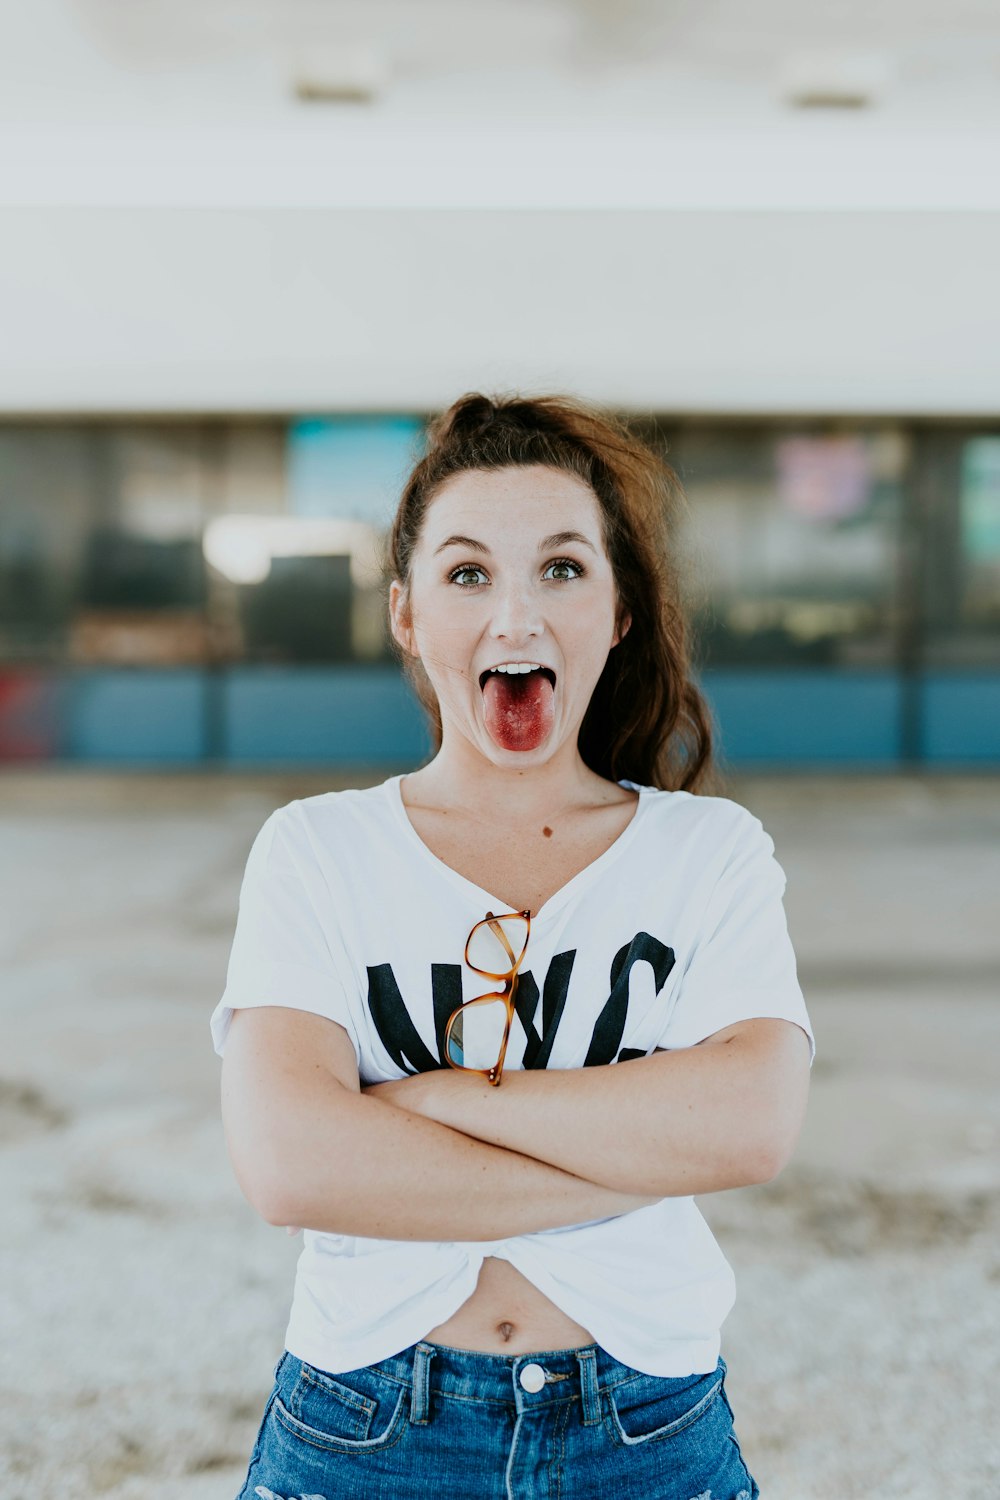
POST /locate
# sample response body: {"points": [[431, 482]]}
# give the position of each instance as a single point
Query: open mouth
{"points": [[545, 672], [519, 707]]}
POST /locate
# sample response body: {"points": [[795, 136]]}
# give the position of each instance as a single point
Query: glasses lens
{"points": [[487, 951], [477, 1034]]}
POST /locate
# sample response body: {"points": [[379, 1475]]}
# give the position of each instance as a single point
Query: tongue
{"points": [[519, 709]]}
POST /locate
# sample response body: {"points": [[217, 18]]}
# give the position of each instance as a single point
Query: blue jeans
{"points": [[436, 1423]]}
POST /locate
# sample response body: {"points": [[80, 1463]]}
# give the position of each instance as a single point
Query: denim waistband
{"points": [[519, 1381]]}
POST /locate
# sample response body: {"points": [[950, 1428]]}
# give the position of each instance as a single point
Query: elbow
{"points": [[265, 1186], [283, 1196], [276, 1210], [769, 1158], [270, 1203], [279, 1200], [765, 1166], [771, 1146]]}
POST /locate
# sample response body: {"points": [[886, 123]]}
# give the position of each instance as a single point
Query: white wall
{"points": [[608, 197], [170, 309]]}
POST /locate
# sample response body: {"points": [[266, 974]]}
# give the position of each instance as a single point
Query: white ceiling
{"points": [[930, 59], [519, 103], [178, 229]]}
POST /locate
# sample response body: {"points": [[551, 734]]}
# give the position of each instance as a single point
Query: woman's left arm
{"points": [[722, 1114]]}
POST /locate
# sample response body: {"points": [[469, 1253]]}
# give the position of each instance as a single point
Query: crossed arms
{"points": [[723, 1114], [443, 1155]]}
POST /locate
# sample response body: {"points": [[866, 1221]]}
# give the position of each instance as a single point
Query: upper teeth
{"points": [[517, 666]]}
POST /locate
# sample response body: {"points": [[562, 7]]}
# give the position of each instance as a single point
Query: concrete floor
{"points": [[143, 1302]]}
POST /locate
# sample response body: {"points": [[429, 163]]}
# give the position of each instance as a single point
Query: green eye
{"points": [[565, 562], [456, 575]]}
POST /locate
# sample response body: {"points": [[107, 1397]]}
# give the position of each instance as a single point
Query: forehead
{"points": [[534, 493]]}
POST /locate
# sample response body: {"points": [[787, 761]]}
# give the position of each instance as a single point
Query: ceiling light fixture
{"points": [[355, 74], [834, 80]]}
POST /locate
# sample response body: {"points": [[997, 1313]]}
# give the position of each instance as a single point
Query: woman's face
{"points": [[510, 567]]}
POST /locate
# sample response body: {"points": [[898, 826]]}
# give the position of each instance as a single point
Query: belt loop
{"points": [[588, 1383], [420, 1402]]}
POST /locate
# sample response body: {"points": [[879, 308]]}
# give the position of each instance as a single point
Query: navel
{"points": [[505, 1330]]}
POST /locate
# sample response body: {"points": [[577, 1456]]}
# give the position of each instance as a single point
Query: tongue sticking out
{"points": [[519, 709]]}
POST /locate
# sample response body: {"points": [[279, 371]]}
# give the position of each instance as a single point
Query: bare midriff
{"points": [[507, 1314]]}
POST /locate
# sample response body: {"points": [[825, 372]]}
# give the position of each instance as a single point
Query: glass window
{"points": [[49, 482], [961, 493], [258, 540], [183, 543], [790, 541]]}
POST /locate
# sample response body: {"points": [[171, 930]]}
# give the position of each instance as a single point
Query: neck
{"points": [[464, 781]]}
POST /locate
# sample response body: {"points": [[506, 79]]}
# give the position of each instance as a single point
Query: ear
{"points": [[399, 617], [622, 630]]}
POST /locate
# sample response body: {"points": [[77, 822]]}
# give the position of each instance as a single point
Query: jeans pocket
{"points": [[358, 1411], [258, 1441], [650, 1408]]}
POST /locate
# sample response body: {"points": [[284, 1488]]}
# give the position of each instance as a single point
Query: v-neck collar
{"points": [[393, 789]]}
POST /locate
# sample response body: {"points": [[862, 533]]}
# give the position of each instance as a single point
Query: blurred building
{"points": [[183, 593], [246, 249]]}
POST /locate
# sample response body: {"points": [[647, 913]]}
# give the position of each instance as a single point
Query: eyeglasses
{"points": [[475, 1039]]}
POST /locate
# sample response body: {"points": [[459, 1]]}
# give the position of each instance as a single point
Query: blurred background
{"points": [[247, 249]]}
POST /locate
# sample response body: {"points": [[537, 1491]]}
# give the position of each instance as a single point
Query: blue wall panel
{"points": [[323, 715], [961, 717], [128, 716], [349, 715], [820, 717]]}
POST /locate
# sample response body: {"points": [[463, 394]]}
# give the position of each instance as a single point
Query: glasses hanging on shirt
{"points": [[475, 1039]]}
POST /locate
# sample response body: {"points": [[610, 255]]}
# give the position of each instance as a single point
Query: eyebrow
{"points": [[557, 539]]}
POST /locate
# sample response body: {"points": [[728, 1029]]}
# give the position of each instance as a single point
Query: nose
{"points": [[516, 614]]}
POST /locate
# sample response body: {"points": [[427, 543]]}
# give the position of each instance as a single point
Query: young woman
{"points": [[488, 1026]]}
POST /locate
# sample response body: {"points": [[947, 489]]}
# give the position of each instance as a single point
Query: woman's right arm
{"points": [[309, 1148]]}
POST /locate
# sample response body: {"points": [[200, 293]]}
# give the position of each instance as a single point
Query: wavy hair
{"points": [[647, 721]]}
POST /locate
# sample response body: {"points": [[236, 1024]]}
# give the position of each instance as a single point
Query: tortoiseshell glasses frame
{"points": [[509, 979]]}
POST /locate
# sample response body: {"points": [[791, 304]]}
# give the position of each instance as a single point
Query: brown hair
{"points": [[647, 722]]}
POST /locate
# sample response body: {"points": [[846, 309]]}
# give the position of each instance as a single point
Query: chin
{"points": [[537, 755]]}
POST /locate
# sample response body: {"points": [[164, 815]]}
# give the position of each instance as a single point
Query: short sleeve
{"points": [[286, 950], [741, 964]]}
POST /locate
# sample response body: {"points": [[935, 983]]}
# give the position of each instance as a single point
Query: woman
{"points": [[506, 1288]]}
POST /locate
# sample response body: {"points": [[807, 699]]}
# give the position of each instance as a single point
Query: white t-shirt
{"points": [[674, 932]]}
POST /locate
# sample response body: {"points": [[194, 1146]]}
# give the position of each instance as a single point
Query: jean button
{"points": [[532, 1377]]}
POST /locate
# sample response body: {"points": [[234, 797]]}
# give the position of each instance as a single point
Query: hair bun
{"points": [[467, 417]]}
